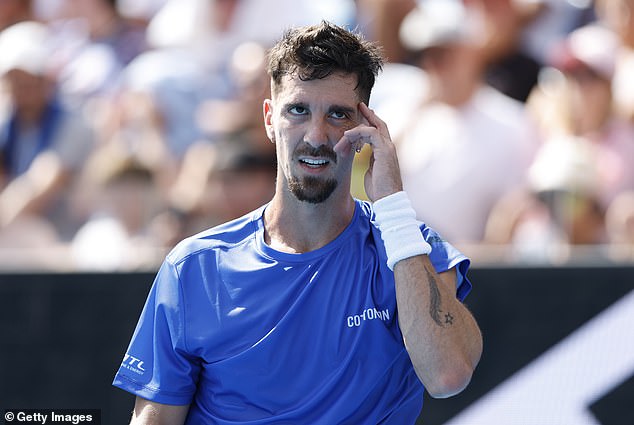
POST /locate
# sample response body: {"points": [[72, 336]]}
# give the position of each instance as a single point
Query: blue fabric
{"points": [[251, 335], [49, 122]]}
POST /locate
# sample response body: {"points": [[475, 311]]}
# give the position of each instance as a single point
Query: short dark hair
{"points": [[316, 51]]}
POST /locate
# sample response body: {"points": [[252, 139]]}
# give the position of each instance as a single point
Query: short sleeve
{"points": [[157, 365], [445, 256]]}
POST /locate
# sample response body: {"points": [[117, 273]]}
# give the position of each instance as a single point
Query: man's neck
{"points": [[296, 226]]}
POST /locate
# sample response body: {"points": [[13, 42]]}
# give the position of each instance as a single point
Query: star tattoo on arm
{"points": [[435, 301]]}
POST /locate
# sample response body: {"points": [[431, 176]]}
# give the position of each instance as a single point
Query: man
{"points": [[289, 314]]}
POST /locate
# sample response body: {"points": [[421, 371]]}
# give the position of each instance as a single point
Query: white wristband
{"points": [[400, 230]]}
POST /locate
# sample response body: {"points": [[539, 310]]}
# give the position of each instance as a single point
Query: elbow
{"points": [[451, 381], [454, 375]]}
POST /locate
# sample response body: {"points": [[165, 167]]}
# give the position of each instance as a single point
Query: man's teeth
{"points": [[315, 161]]}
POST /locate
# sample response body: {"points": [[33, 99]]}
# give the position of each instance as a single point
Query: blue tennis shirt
{"points": [[246, 334]]}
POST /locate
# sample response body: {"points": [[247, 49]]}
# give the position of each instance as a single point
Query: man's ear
{"points": [[267, 110]]}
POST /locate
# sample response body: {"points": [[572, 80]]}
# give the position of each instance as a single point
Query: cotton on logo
{"points": [[133, 364], [368, 314]]}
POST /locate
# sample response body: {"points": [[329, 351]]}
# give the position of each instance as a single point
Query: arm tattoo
{"points": [[434, 303]]}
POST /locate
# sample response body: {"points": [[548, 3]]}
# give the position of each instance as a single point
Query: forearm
{"points": [[440, 334]]}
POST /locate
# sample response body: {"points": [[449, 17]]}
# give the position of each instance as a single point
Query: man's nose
{"points": [[316, 133]]}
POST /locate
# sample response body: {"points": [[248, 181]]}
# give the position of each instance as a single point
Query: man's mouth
{"points": [[314, 162], [316, 157]]}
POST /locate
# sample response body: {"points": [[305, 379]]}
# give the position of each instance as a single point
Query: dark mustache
{"points": [[322, 151]]}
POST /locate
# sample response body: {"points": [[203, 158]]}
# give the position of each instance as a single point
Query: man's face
{"points": [[306, 119]]}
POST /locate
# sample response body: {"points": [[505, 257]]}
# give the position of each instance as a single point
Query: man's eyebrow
{"points": [[333, 108], [291, 104], [341, 108]]}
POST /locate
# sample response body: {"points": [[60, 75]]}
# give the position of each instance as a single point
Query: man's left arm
{"points": [[440, 334]]}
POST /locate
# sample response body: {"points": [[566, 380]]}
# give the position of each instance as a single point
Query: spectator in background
{"points": [[220, 182], [467, 144], [552, 24], [147, 126], [587, 157], [118, 234], [93, 43], [560, 209], [618, 15], [207, 42], [509, 67], [220, 119], [212, 29], [103, 24], [518, 33], [576, 100], [42, 142], [203, 75], [380, 20], [151, 116], [170, 84]]}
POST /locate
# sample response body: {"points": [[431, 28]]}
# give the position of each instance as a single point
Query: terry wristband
{"points": [[399, 228]]}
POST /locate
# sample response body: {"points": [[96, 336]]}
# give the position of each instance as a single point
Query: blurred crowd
{"points": [[126, 125]]}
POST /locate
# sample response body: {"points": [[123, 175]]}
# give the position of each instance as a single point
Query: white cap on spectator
{"points": [[436, 23], [593, 46], [565, 164], [24, 46]]}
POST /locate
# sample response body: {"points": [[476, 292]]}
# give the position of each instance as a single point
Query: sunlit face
{"points": [[306, 119]]}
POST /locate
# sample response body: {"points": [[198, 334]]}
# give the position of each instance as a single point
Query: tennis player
{"points": [[316, 308]]}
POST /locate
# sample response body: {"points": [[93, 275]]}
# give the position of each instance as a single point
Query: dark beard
{"points": [[312, 189]]}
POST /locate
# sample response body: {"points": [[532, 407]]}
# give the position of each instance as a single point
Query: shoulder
{"points": [[365, 209], [365, 215], [221, 237]]}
